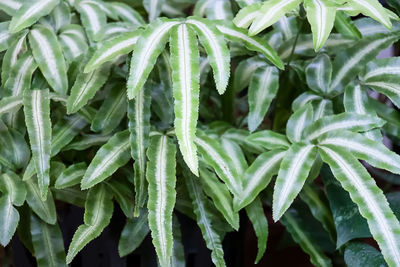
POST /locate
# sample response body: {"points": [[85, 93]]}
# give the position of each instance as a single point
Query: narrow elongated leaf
{"points": [[30, 12], [269, 140], [10, 6], [85, 87], [46, 210], [139, 128], [178, 253], [236, 34], [258, 176], [111, 156], [244, 72], [20, 76], [123, 194], [14, 50], [12, 186], [72, 45], [204, 221], [10, 104], [98, 212], [108, 51], [236, 154], [87, 141], [299, 121], [344, 121], [186, 84], [9, 218], [153, 8], [247, 15], [371, 202], [37, 118], [349, 62], [149, 46], [321, 15], [255, 212], [71, 176], [270, 12], [93, 19], [345, 26], [218, 53], [373, 9], [126, 13], [61, 15], [133, 234], [319, 73], [111, 112], [47, 243], [215, 156], [220, 195], [293, 172], [363, 148], [48, 55], [262, 90], [162, 195]]}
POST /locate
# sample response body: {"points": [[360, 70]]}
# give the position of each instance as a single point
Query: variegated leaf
{"points": [[20, 76], [10, 104], [247, 15], [10, 6], [186, 84], [262, 90], [139, 128], [293, 172], [93, 19], [71, 176], [30, 12], [319, 73], [48, 55], [126, 13], [373, 9], [162, 195], [218, 53], [153, 8], [269, 140], [37, 118], [299, 121], [321, 15], [98, 212], [46, 210], [372, 204], [110, 50], [344, 121], [111, 156], [149, 46], [258, 175], [270, 12]]}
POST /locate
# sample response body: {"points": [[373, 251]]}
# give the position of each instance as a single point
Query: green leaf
{"points": [[349, 62], [292, 175], [37, 117], [46, 210], [178, 253], [246, 15], [244, 72], [71, 195], [71, 176], [255, 212], [345, 26], [133, 234], [123, 194], [220, 195], [363, 148], [86, 141], [161, 177], [153, 8], [383, 76], [10, 104], [300, 120], [61, 15], [111, 156], [204, 218], [344, 121], [73, 41], [373, 206], [186, 84], [148, 47], [20, 76], [373, 9], [218, 53], [139, 128], [10, 6], [85, 87], [269, 140], [93, 19], [48, 55], [321, 16], [319, 73], [263, 88], [214, 155], [126, 13], [111, 111], [30, 12], [360, 254], [47, 243], [110, 50], [258, 175], [9, 218], [270, 12], [98, 212], [235, 34]]}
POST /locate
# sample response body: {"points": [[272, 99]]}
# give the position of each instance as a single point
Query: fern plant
{"points": [[173, 107]]}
